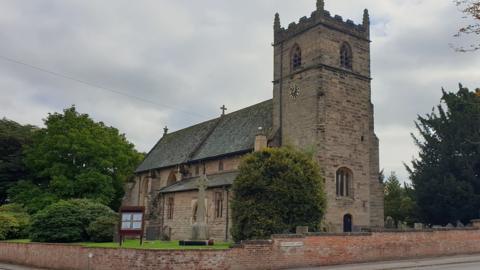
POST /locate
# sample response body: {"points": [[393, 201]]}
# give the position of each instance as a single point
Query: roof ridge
{"points": [[217, 118]]}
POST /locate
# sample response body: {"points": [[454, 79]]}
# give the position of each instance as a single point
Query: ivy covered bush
{"points": [[69, 221], [276, 190]]}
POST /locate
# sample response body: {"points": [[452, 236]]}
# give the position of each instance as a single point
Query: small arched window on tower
{"points": [[296, 57], [346, 58], [344, 182]]}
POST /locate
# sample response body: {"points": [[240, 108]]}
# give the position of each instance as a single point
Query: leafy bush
{"points": [[67, 221], [275, 191], [9, 226], [59, 222], [102, 229], [21, 216]]}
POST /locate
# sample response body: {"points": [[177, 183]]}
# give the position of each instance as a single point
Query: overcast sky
{"points": [[190, 57]]}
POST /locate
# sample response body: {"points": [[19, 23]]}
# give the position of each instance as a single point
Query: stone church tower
{"points": [[322, 102]]}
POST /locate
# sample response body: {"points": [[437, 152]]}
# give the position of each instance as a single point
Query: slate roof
{"points": [[214, 180], [232, 133]]}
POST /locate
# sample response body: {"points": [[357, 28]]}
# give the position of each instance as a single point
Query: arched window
{"points": [[296, 57], [346, 57], [344, 182]]}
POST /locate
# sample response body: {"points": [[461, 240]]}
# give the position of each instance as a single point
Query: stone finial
{"points": [[366, 18], [276, 22], [165, 130], [320, 5]]}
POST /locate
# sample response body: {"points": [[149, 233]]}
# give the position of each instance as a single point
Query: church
{"points": [[321, 101]]}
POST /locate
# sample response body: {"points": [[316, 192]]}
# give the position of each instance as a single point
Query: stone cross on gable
{"points": [[223, 108]]}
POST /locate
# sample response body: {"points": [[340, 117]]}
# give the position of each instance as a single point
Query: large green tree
{"points": [[76, 157], [399, 203], [13, 139], [276, 190], [446, 176]]}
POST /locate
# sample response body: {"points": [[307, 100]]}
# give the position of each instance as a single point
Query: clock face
{"points": [[294, 91]]}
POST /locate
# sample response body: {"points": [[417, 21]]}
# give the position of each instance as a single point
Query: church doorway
{"points": [[347, 223]]}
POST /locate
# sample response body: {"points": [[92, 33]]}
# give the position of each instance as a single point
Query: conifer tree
{"points": [[446, 176]]}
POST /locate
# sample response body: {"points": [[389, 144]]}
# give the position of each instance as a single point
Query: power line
{"points": [[68, 77]]}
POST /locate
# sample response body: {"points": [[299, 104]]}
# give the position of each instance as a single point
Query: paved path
{"points": [[466, 262], [4, 266]]}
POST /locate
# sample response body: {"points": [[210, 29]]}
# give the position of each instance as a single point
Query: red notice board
{"points": [[132, 222]]}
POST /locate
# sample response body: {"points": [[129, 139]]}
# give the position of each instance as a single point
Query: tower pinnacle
{"points": [[366, 18], [320, 5], [276, 23]]}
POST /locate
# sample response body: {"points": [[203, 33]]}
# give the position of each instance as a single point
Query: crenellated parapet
{"points": [[322, 17]]}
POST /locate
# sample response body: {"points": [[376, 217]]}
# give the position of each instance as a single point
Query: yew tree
{"points": [[446, 175], [276, 190]]}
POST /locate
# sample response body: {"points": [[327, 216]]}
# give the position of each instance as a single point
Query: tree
{"points": [[276, 190], [471, 9], [446, 176], [13, 139], [398, 200], [75, 157]]}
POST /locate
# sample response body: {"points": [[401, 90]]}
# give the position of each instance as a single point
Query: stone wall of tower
{"points": [[333, 113]]}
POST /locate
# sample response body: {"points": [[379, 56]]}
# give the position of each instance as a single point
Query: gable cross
{"points": [[223, 108]]}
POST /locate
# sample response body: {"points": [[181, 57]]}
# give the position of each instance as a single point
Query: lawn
{"points": [[165, 245]]}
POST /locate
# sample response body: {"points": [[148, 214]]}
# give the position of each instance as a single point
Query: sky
{"points": [[177, 61]]}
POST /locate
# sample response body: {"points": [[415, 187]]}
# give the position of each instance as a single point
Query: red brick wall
{"points": [[281, 252]]}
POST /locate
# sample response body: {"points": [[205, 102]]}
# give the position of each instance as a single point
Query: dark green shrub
{"points": [[60, 222], [91, 212], [102, 229], [276, 190], [67, 221]]}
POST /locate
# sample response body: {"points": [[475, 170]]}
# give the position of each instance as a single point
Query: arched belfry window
{"points": [[346, 58], [296, 57], [343, 181]]}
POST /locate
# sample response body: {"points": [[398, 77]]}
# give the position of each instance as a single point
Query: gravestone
{"points": [[199, 228], [418, 226], [460, 224], [301, 230], [449, 225], [402, 225], [390, 223]]}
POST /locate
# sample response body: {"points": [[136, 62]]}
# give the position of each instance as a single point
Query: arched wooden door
{"points": [[347, 223]]}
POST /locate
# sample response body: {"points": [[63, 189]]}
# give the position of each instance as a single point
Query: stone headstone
{"points": [[153, 233], [402, 225], [199, 228], [437, 227], [449, 225], [301, 230], [390, 223], [418, 226], [460, 224]]}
